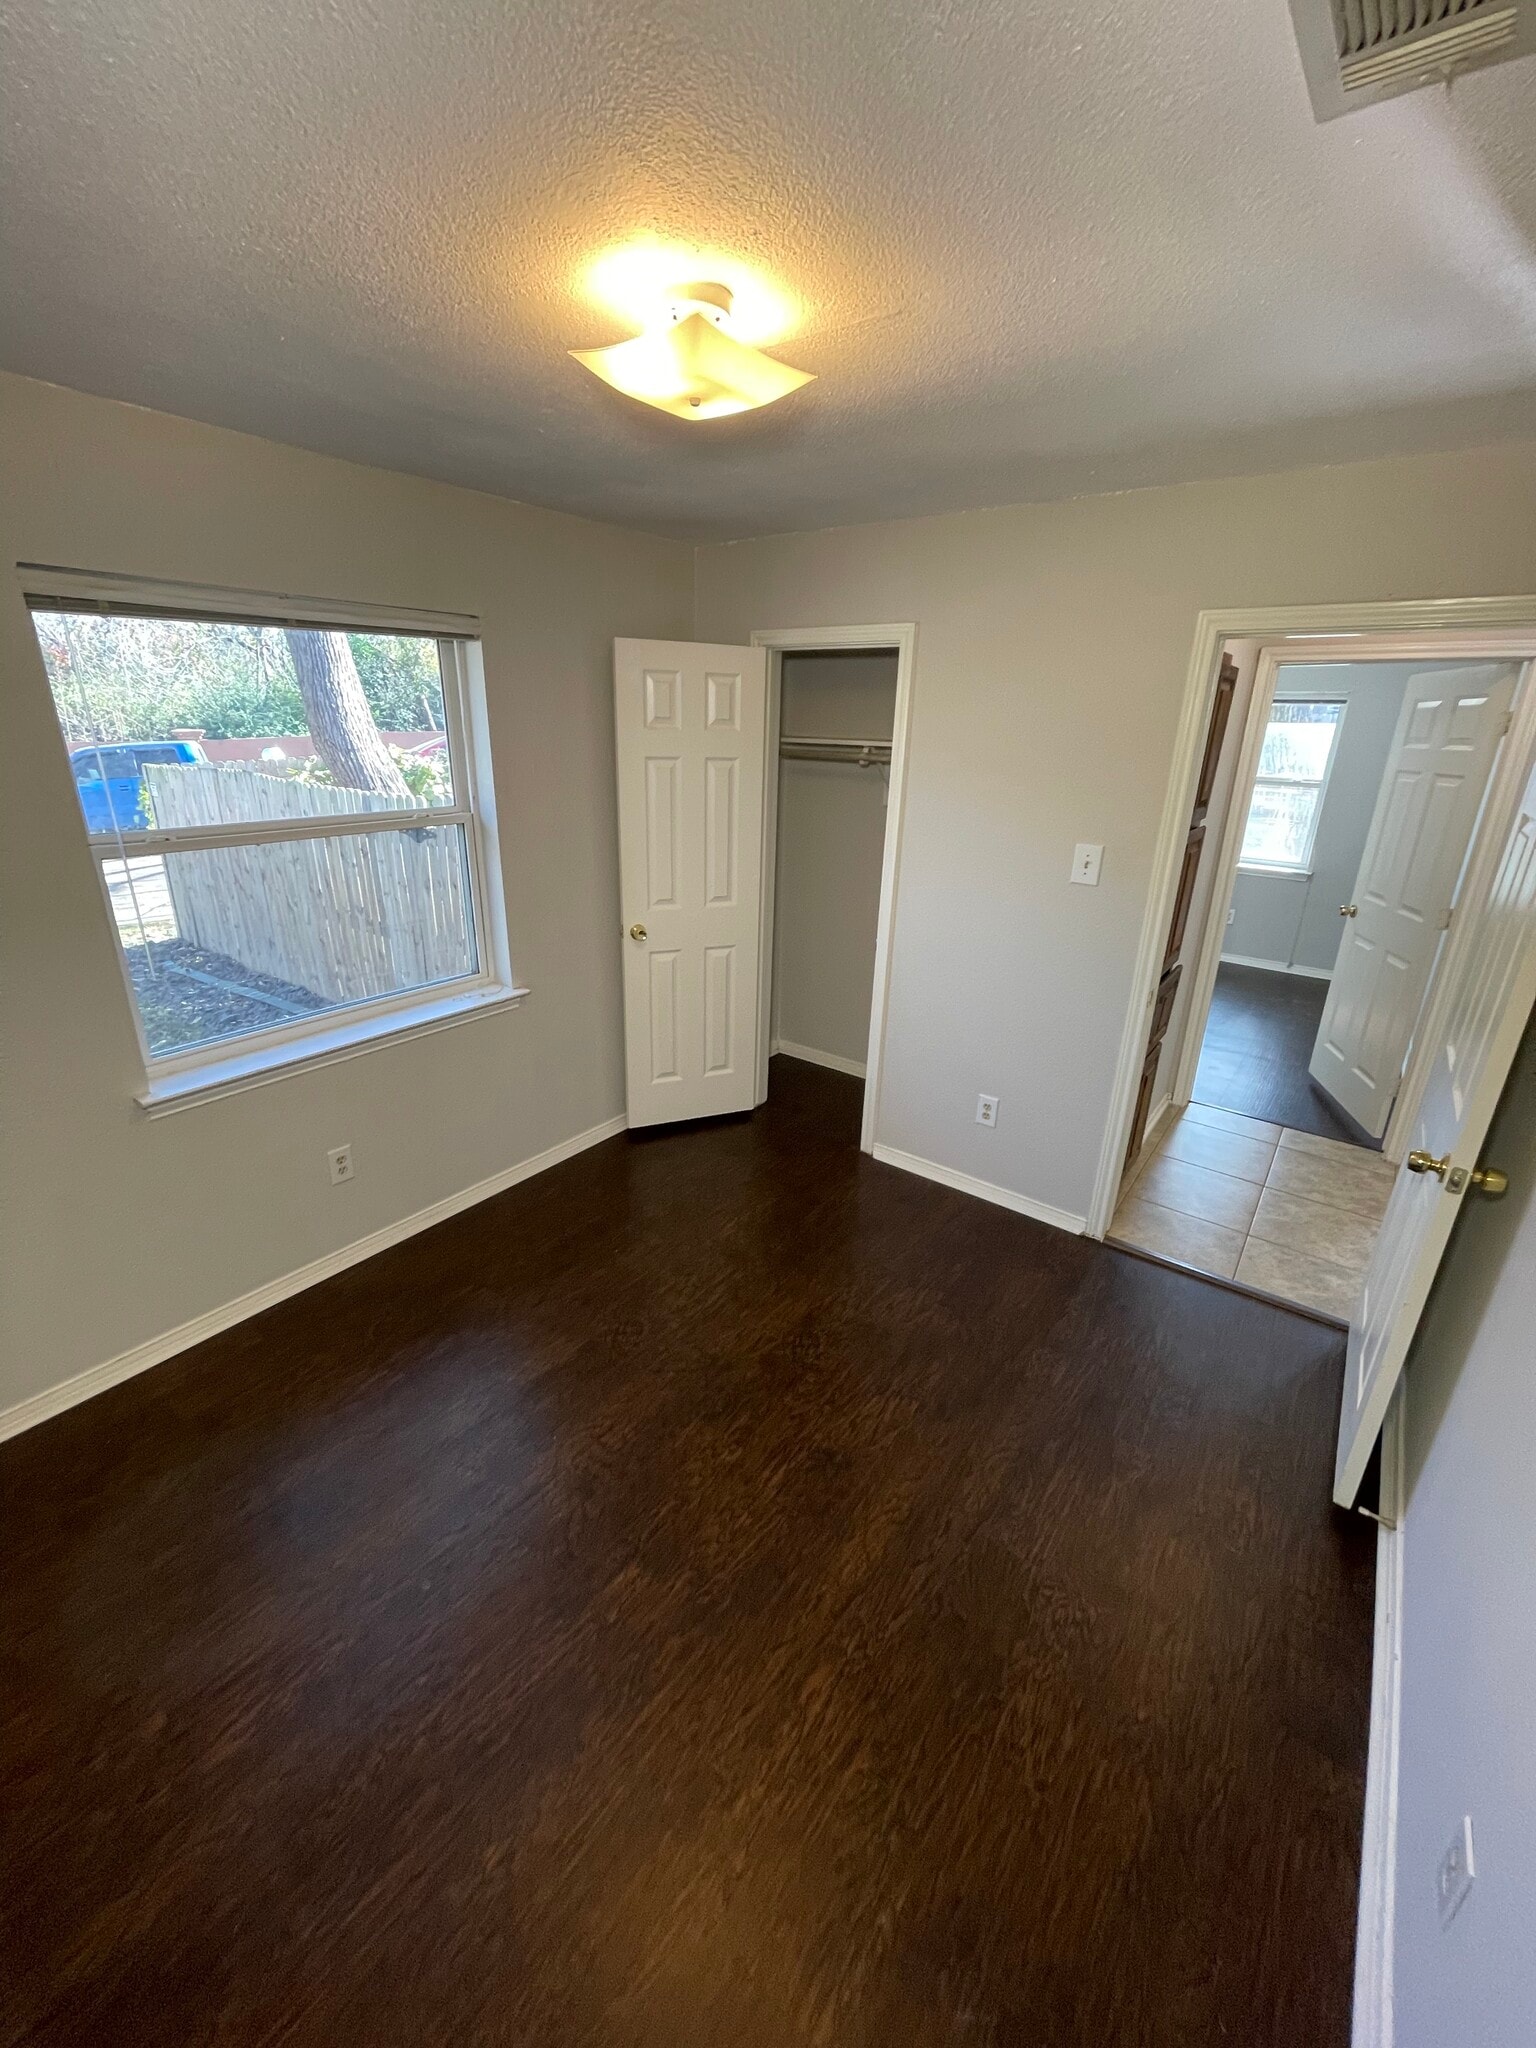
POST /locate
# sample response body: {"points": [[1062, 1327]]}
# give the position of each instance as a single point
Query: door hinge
{"points": [[1445, 922]]}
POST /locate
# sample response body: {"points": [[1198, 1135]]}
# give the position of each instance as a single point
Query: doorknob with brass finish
{"points": [[1426, 1162], [637, 931], [1491, 1181], [1349, 910]]}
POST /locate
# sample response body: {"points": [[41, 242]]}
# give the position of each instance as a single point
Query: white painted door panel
{"points": [[1446, 739], [690, 721], [1491, 988]]}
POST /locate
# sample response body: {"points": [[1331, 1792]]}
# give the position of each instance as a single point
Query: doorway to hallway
{"points": [[1341, 796]]}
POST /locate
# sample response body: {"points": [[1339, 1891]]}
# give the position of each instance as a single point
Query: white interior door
{"points": [[1489, 998], [1446, 739], [690, 720]]}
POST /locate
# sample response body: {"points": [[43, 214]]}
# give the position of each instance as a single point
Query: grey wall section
{"points": [[1296, 922], [1468, 1725], [117, 1228], [1053, 643], [830, 846]]}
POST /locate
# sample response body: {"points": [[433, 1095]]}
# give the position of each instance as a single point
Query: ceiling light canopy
{"points": [[689, 360]]}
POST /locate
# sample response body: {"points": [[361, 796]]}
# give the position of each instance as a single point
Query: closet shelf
{"points": [[862, 753]]}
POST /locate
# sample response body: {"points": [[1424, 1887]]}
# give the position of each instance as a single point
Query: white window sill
{"points": [[1275, 874], [344, 1040]]}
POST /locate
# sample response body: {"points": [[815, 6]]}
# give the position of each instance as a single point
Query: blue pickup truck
{"points": [[111, 780]]}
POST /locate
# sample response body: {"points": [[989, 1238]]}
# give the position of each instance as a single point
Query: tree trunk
{"points": [[340, 723]]}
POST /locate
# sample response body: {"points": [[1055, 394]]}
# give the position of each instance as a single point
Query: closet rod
{"points": [[863, 753]]}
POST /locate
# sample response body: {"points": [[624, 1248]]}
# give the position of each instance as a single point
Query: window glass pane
{"points": [[1280, 824], [243, 938], [1299, 739], [186, 721]]}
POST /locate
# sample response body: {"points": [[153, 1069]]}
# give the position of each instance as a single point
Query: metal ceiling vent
{"points": [[1356, 52]]}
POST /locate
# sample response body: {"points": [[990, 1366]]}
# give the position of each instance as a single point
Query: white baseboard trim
{"points": [[1373, 2010], [97, 1378], [984, 1190], [1276, 966], [834, 1060]]}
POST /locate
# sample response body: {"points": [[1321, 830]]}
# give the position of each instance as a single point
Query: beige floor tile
{"points": [[1175, 1183], [1229, 1120], [1305, 1141], [1222, 1151], [1207, 1246], [1354, 1180], [1321, 1231], [1313, 1283], [1138, 1167]]}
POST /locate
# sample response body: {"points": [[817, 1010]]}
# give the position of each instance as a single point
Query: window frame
{"points": [[1301, 869], [225, 1065]]}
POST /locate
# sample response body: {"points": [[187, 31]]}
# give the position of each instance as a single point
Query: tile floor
{"points": [[1282, 1210]]}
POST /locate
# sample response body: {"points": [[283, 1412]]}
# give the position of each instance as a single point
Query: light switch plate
{"points": [[1085, 864]]}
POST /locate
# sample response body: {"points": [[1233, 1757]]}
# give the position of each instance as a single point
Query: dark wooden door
{"points": [[1184, 895]]}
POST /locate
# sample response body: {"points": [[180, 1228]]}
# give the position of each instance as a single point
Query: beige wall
{"points": [[1052, 647], [118, 1228], [831, 842]]}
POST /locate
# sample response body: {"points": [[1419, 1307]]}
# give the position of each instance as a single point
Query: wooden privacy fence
{"points": [[348, 918]]}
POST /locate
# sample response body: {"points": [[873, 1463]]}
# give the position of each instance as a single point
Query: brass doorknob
{"points": [[1491, 1181], [1349, 909], [1426, 1162], [637, 931]]}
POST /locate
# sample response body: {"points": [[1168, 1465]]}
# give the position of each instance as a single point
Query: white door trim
{"points": [[1435, 629], [782, 640], [1224, 882]]}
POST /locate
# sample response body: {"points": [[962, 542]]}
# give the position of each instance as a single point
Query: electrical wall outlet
{"points": [[1232, 915], [1086, 861], [1453, 1880], [986, 1110], [340, 1163]]}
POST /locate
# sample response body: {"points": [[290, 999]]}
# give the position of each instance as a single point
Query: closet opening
{"points": [[838, 705]]}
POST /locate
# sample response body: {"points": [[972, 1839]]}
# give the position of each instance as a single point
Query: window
{"points": [[284, 817], [1294, 762]]}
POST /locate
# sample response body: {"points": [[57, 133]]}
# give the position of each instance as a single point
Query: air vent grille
{"points": [[1362, 26], [1425, 56], [1355, 52]]}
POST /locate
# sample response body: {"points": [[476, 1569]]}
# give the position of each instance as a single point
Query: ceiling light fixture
{"points": [[690, 364]]}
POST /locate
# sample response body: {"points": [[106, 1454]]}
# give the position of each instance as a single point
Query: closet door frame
{"points": [[781, 640]]}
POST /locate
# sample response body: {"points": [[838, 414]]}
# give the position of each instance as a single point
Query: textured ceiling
{"points": [[1036, 248]]}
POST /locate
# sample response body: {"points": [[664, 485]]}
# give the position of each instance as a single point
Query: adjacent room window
{"points": [[1288, 791], [284, 818]]}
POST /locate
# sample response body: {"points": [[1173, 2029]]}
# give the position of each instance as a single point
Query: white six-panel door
{"points": [[1447, 736], [690, 720], [1489, 1001]]}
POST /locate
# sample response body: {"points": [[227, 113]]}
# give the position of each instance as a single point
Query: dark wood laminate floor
{"points": [[1257, 1046], [722, 1591]]}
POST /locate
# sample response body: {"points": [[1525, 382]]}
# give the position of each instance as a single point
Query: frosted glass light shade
{"points": [[694, 370]]}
